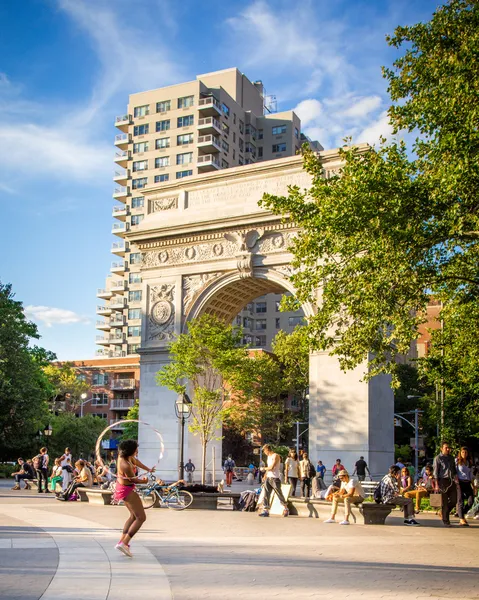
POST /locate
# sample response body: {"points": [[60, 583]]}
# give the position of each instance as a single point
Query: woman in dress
{"points": [[465, 494], [125, 490]]}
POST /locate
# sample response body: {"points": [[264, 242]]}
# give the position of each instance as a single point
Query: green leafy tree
{"points": [[205, 360], [24, 388], [78, 434], [395, 227], [130, 430], [65, 384]]}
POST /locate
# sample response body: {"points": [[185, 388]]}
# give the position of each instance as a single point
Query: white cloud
{"points": [[54, 316], [380, 127], [309, 111], [363, 106]]}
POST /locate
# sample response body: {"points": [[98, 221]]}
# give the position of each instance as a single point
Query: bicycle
{"points": [[168, 495]]}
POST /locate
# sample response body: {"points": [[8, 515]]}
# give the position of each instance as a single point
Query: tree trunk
{"points": [[203, 462]]}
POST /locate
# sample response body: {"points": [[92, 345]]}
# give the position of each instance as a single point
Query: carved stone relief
{"points": [[245, 242], [161, 315], [158, 204], [193, 285]]}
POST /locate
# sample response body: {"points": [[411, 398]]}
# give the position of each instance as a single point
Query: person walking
{"points": [[190, 469], [291, 466], [272, 482], [25, 473], [40, 464], [360, 469], [446, 481], [320, 470], [465, 493], [305, 470], [228, 469], [390, 494], [350, 492], [125, 490]]}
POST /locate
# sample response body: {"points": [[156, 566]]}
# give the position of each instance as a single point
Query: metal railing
{"points": [[210, 101], [123, 384], [121, 404], [119, 426], [121, 137], [117, 265], [118, 246], [118, 227], [122, 175], [120, 209], [203, 139], [209, 121], [103, 309], [118, 303], [122, 118], [121, 154], [121, 190], [103, 324], [208, 158]]}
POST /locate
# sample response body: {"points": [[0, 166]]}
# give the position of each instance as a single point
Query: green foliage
{"points": [[6, 470], [130, 430], [404, 452], [63, 379], [24, 388], [390, 230], [283, 451], [207, 358], [292, 352], [77, 433]]}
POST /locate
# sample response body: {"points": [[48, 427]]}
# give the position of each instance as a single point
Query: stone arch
{"points": [[226, 295]]}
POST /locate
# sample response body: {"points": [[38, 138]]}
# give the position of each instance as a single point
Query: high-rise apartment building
{"points": [[180, 131]]}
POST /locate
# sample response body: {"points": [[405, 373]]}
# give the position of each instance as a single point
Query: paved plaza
{"points": [[64, 551]]}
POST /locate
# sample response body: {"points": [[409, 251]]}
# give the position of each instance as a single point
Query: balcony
{"points": [[117, 303], [117, 267], [121, 177], [209, 107], [103, 325], [121, 158], [119, 229], [103, 310], [209, 143], [102, 340], [118, 321], [208, 162], [116, 339], [118, 286], [122, 140], [209, 125], [120, 193], [122, 404], [119, 426], [122, 122], [123, 384], [118, 248], [120, 212], [104, 294]]}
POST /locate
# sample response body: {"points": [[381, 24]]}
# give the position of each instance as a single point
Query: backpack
{"points": [[229, 464], [312, 470], [38, 462], [377, 494]]}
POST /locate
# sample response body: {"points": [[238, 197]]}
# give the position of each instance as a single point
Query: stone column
{"points": [[349, 418]]}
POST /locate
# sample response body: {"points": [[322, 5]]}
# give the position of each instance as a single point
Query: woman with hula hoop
{"points": [[125, 490]]}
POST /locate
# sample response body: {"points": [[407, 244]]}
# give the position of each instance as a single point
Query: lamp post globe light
{"points": [[183, 411], [83, 401], [48, 430]]}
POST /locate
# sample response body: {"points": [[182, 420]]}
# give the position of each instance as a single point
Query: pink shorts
{"points": [[122, 491]]}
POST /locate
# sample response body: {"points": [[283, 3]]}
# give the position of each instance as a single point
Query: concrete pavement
{"points": [[228, 555]]}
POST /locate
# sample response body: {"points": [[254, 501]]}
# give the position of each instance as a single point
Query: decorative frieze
{"points": [[159, 204], [194, 285], [161, 314]]}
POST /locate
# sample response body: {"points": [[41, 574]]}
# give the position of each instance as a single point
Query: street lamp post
{"points": [[183, 411], [83, 396], [415, 426], [48, 430]]}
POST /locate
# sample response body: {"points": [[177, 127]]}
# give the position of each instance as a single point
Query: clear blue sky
{"points": [[66, 69]]}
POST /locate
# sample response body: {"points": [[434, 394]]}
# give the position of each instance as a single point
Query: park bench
{"points": [[209, 500], [372, 513], [34, 485], [94, 495]]}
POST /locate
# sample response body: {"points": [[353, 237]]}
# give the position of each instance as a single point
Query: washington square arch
{"points": [[207, 247]]}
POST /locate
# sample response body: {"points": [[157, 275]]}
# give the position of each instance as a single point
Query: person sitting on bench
{"points": [[84, 479], [350, 492], [26, 472], [194, 487]]}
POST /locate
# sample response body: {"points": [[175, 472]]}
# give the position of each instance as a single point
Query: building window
{"points": [[134, 296], [133, 348], [241, 126], [279, 148], [185, 121], [234, 118], [81, 377], [99, 399], [134, 278], [181, 174], [99, 379], [261, 307], [141, 111], [141, 129], [134, 313], [260, 134], [163, 125], [296, 133], [224, 164], [277, 323], [260, 324], [260, 341], [163, 106], [186, 138], [162, 143], [252, 131], [225, 146], [234, 153], [279, 130], [137, 219], [225, 128], [293, 321], [134, 331], [184, 159], [225, 109], [135, 258], [251, 148], [234, 137], [277, 305], [140, 165], [137, 184], [162, 161], [241, 144], [162, 178], [137, 201], [247, 323], [186, 101], [140, 147], [240, 160], [260, 152]]}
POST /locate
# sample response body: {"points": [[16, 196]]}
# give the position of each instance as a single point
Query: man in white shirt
{"points": [[272, 482], [350, 492]]}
